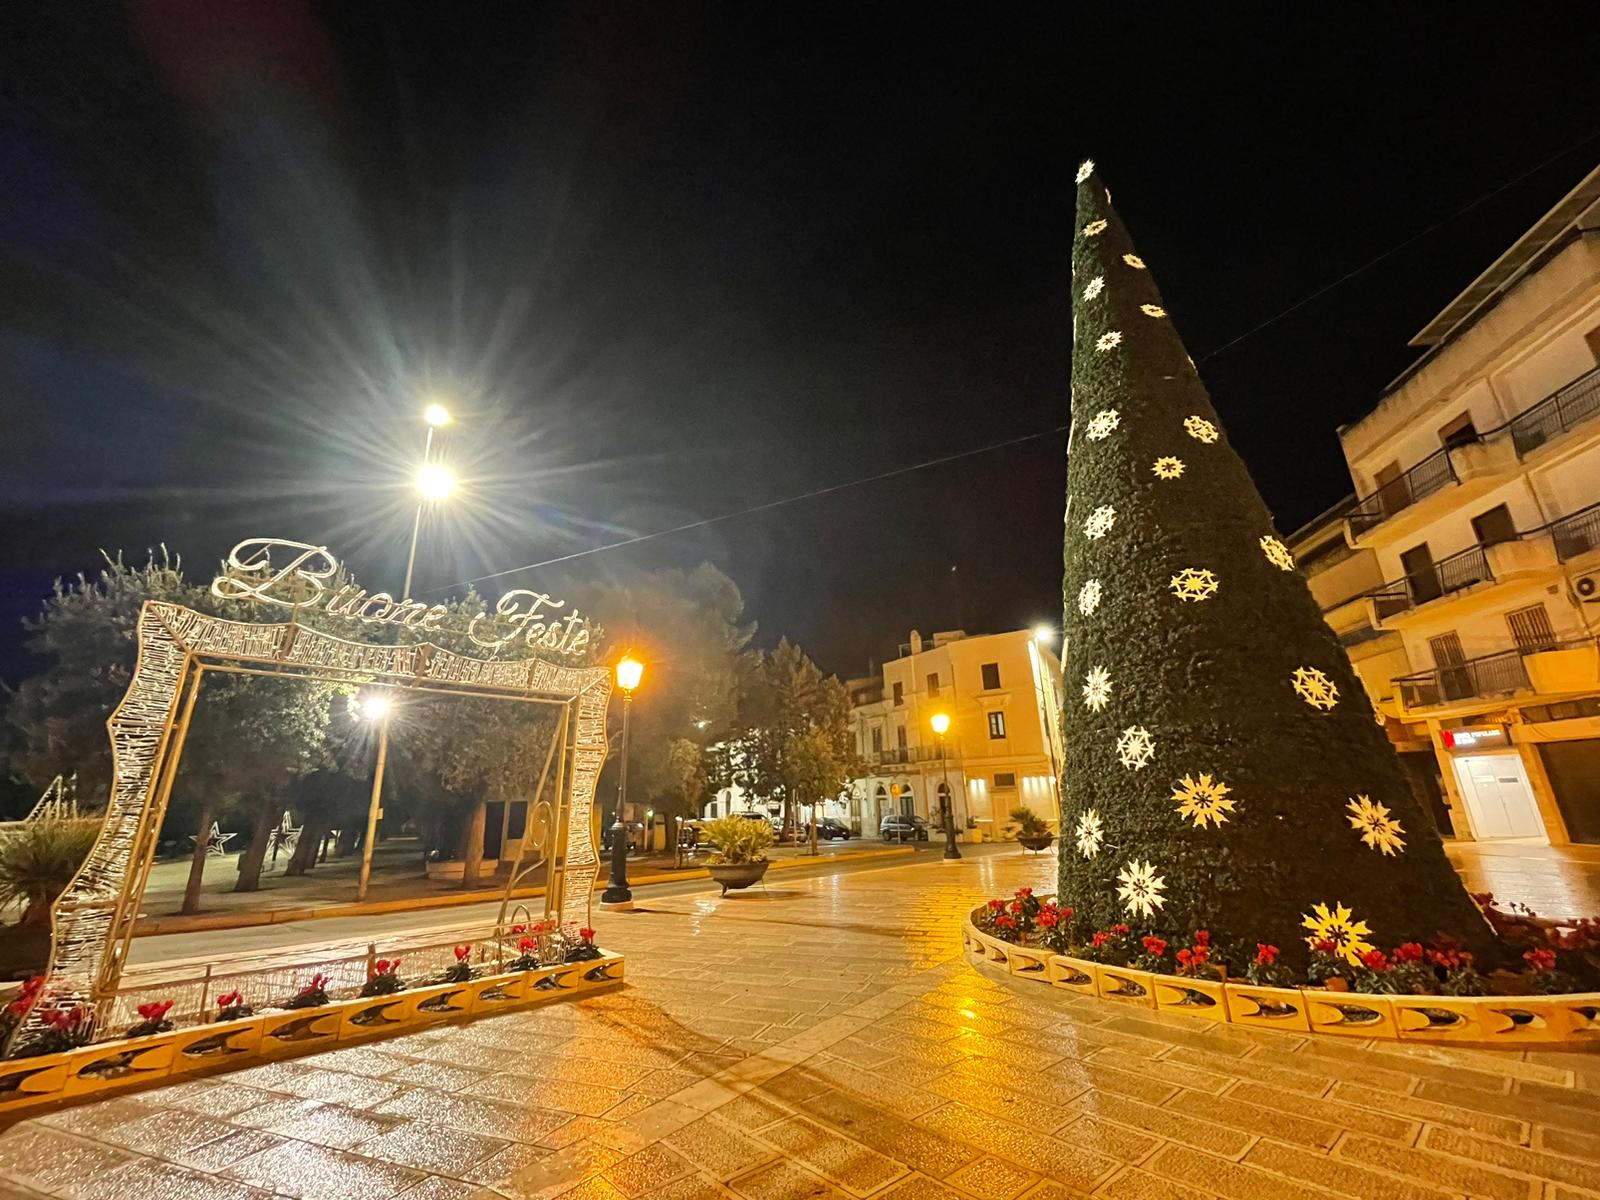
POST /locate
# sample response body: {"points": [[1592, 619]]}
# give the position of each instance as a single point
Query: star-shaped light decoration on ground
{"points": [[1135, 747], [1085, 169], [1315, 688], [1334, 924], [1140, 888], [1203, 800], [1096, 689], [1089, 597], [1152, 310], [1167, 467], [1378, 829], [1200, 429], [1109, 341], [1277, 553], [1100, 522], [1101, 425], [1194, 583], [1089, 833], [1134, 261], [1094, 229], [1094, 287]]}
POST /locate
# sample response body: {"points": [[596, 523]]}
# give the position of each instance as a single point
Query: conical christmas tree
{"points": [[1224, 769]]}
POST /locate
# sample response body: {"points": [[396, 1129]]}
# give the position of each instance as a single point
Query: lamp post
{"points": [[374, 707], [941, 726], [618, 894]]}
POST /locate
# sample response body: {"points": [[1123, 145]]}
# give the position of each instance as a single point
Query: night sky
{"points": [[672, 261]]}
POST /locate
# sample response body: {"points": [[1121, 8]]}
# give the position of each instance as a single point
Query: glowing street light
{"points": [[436, 415], [941, 726], [435, 482], [618, 894], [373, 706], [1043, 633]]}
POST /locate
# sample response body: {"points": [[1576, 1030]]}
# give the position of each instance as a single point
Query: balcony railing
{"points": [[1576, 534], [904, 755], [1428, 476], [1487, 676], [1556, 413], [1438, 579]]}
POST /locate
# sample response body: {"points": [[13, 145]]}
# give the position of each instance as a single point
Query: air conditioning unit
{"points": [[1587, 588]]}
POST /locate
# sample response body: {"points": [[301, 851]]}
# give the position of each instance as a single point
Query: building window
{"points": [[900, 736], [1593, 338], [997, 725], [933, 686], [1459, 432], [899, 694], [1530, 629], [877, 740], [991, 677], [1421, 578], [1005, 779], [1494, 526]]}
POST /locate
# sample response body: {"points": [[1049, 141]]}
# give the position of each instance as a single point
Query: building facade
{"points": [[1464, 574], [1002, 750]]}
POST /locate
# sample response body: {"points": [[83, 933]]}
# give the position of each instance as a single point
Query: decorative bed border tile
{"points": [[1497, 1021]]}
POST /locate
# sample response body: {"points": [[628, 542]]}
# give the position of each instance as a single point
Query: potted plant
{"points": [[1032, 831], [741, 851]]}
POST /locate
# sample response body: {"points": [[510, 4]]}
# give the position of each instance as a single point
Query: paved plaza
{"points": [[826, 1039]]}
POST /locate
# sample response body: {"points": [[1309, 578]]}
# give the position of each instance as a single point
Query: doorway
{"points": [[1498, 797]]}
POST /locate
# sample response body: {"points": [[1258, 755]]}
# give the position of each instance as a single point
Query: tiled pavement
{"points": [[825, 1039]]}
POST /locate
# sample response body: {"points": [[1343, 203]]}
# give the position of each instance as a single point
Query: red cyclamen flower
{"points": [[526, 944], [1202, 938], [463, 953], [996, 905], [1540, 960], [1101, 938], [155, 1010], [1407, 952], [586, 934], [1120, 930], [1375, 960], [1155, 947], [1266, 955]]}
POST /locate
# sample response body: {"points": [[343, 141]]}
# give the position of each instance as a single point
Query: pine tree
{"points": [[1224, 769]]}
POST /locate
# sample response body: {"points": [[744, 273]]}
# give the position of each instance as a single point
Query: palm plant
{"points": [[738, 840], [39, 860]]}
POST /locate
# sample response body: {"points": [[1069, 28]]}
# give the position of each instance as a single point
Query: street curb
{"points": [[158, 926]]}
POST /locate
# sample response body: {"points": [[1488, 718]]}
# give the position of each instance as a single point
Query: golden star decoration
{"points": [[1167, 467], [1096, 689], [1094, 229], [1104, 421], [1152, 310], [1193, 583], [1134, 261], [1378, 829], [1315, 688], [1094, 287], [1089, 833], [1141, 888], [1203, 800], [1100, 522], [1089, 597], [1335, 925], [1277, 553], [1200, 429], [1135, 747], [1109, 341]]}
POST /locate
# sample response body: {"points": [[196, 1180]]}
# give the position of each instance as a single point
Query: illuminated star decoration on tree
{"points": [[1277, 553], [1100, 522], [1085, 169], [1109, 341], [1134, 261], [1097, 688], [1089, 597], [1140, 888], [1167, 467], [1193, 583], [1089, 833], [1094, 287], [1335, 925], [1135, 747], [1378, 829], [1152, 310], [1315, 688], [1094, 229], [1203, 800], [1200, 429], [1103, 423]]}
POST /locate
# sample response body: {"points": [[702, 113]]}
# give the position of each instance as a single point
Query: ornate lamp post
{"points": [[941, 726], [374, 707], [629, 671]]}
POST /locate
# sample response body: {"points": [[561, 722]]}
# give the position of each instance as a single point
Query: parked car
{"points": [[903, 827], [831, 829], [691, 833]]}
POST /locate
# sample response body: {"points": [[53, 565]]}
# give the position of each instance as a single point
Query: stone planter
{"points": [[202, 1046], [1074, 974], [1028, 960], [1127, 986], [737, 876], [1037, 843], [118, 1064], [1349, 1014], [1191, 997], [28, 1080], [438, 1001], [299, 1030], [375, 1016], [493, 992], [1266, 1007]]}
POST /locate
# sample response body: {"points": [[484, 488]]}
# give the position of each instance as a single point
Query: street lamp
{"points": [[618, 894], [436, 415], [375, 707], [941, 726], [1043, 633]]}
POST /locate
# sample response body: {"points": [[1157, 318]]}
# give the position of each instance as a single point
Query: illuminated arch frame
{"points": [[92, 921]]}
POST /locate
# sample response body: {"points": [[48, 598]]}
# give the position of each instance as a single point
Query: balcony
{"points": [[1571, 668], [1556, 413], [900, 756], [1443, 578], [1576, 534], [1491, 675]]}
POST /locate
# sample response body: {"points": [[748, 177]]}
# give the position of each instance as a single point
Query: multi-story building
{"points": [[1002, 749], [1468, 583]]}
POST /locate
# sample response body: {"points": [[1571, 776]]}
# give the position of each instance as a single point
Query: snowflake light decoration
{"points": [[1135, 747], [1152, 310], [1335, 925], [1315, 688], [1094, 229], [1277, 553], [1194, 583], [1109, 341], [1103, 422], [1085, 169], [1096, 689], [1203, 800], [1167, 467], [1378, 829], [1140, 888], [1100, 522], [1090, 834], [1089, 597], [1094, 287], [1200, 429], [1134, 261]]}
